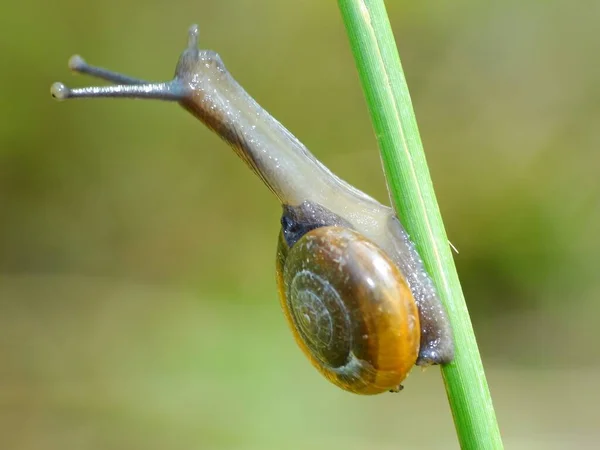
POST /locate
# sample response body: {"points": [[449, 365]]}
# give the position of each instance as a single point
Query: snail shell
{"points": [[350, 309]]}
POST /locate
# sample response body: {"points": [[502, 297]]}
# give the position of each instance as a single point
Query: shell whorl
{"points": [[321, 317]]}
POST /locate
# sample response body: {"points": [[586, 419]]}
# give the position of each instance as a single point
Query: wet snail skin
{"points": [[351, 285]]}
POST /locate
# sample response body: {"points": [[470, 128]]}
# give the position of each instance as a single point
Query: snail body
{"points": [[352, 287]]}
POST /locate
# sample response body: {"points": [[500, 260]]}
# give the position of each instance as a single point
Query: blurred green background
{"points": [[137, 298]]}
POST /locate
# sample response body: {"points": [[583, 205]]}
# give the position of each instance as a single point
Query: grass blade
{"points": [[411, 189]]}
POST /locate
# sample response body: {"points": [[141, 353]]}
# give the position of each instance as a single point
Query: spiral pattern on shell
{"points": [[350, 309], [321, 317]]}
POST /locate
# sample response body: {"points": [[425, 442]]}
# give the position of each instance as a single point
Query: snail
{"points": [[351, 285]]}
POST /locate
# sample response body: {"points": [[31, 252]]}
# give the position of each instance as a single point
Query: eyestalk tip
{"points": [[76, 62], [59, 91], [193, 35]]}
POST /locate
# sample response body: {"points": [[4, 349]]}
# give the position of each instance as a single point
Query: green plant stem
{"points": [[409, 182]]}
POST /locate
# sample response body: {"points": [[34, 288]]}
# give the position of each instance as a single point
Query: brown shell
{"points": [[349, 308]]}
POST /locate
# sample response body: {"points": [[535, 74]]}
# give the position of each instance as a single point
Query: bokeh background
{"points": [[137, 300]]}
